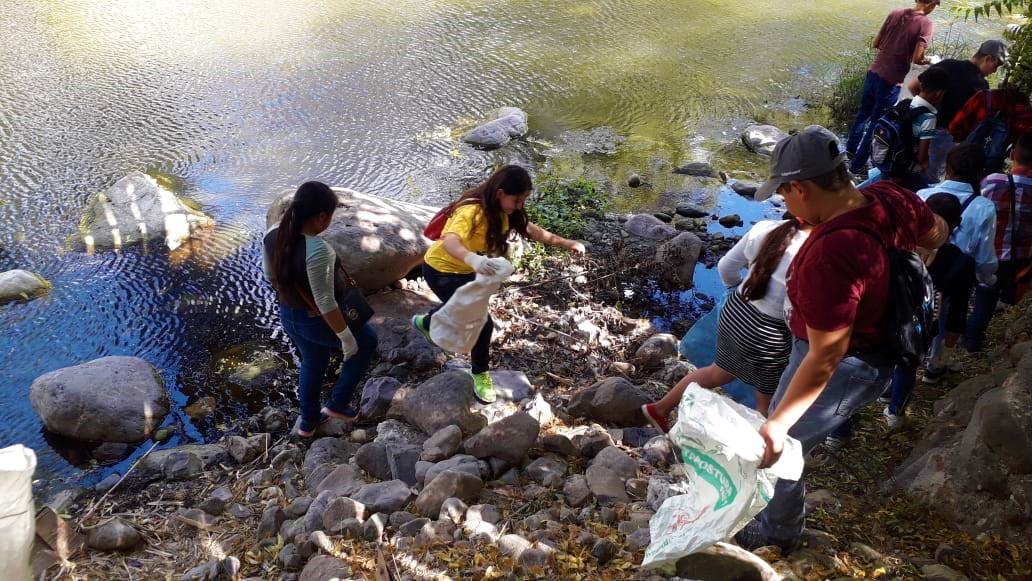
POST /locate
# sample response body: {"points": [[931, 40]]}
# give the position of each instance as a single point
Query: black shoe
{"points": [[751, 537]]}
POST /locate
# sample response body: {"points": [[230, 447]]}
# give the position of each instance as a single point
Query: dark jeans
{"points": [[953, 273], [444, 285], [876, 96], [316, 342], [1011, 276], [856, 382]]}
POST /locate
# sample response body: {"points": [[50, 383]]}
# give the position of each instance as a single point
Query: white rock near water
{"points": [[508, 123], [21, 285], [136, 209], [111, 399], [378, 240], [762, 138]]}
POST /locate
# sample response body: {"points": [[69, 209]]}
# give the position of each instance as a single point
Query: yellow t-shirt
{"points": [[469, 223]]}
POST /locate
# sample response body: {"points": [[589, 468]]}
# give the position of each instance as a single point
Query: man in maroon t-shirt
{"points": [[902, 40], [838, 287]]}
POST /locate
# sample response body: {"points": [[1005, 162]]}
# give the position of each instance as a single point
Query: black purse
{"points": [[350, 300]]}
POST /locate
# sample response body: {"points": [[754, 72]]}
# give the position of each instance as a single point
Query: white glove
{"points": [[347, 343], [480, 264]]}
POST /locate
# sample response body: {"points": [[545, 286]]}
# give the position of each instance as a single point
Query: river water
{"points": [[233, 101]]}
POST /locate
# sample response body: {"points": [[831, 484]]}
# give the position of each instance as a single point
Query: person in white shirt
{"points": [[753, 340]]}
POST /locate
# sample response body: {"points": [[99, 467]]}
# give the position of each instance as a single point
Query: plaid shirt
{"points": [[1013, 231], [1014, 105]]}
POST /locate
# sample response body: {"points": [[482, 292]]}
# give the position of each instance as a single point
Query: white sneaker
{"points": [[894, 421]]}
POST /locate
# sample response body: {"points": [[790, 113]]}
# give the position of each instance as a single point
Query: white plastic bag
{"points": [[718, 443], [17, 517], [456, 326]]}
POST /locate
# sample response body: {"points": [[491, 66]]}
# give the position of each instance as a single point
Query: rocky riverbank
{"points": [[557, 479]]}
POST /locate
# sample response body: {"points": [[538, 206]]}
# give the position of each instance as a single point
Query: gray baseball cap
{"points": [[802, 155], [996, 49]]}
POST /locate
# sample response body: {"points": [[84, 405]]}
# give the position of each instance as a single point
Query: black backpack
{"points": [[910, 324], [893, 143], [991, 133]]}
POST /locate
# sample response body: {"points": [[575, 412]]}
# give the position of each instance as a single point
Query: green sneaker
{"points": [[417, 322], [483, 387]]}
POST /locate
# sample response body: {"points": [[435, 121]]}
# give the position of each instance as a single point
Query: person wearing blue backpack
{"points": [[902, 137], [843, 317]]}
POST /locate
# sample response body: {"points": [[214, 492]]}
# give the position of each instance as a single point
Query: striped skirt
{"points": [[752, 346]]}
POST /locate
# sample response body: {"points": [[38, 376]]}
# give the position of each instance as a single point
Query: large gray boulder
{"points": [[378, 240], [675, 259], [441, 401], [650, 227], [136, 209], [762, 138], [978, 478], [21, 285], [111, 399], [508, 123], [613, 400]]}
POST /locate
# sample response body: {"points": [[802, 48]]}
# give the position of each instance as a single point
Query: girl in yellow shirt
{"points": [[478, 227]]}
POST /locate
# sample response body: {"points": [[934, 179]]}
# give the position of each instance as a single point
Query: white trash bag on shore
{"points": [[17, 517], [456, 326], [718, 443]]}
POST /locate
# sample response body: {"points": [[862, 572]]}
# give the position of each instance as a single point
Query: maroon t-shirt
{"points": [[842, 278], [900, 33]]}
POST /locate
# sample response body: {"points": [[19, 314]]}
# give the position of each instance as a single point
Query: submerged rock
{"points": [[111, 399], [136, 209], [762, 138], [21, 285], [508, 123]]}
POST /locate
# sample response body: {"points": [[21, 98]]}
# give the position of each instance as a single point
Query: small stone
{"points": [[940, 572], [454, 510], [216, 502], [384, 496], [534, 558], [322, 541], [548, 471], [412, 527], [559, 444], [298, 507], [344, 480], [374, 526], [513, 546], [639, 539], [607, 515], [511, 477], [289, 558], [270, 522], [637, 487], [509, 438], [487, 513], [592, 443], [111, 452], [400, 517], [944, 551], [730, 221], [634, 180], [689, 210], [227, 569], [287, 457], [604, 550], [618, 461], [237, 510], [163, 434], [434, 533], [339, 510], [114, 535], [323, 568], [201, 408], [586, 539], [361, 436], [696, 168], [576, 490], [442, 445], [606, 485], [182, 466], [447, 484], [273, 420]]}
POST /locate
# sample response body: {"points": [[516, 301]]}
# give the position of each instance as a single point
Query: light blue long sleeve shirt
{"points": [[977, 232]]}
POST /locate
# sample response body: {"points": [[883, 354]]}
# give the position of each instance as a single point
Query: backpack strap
{"points": [[967, 202]]}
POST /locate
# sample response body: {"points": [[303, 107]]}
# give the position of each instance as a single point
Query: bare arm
{"points": [[539, 234], [922, 153], [826, 351], [914, 86], [919, 55], [454, 246]]}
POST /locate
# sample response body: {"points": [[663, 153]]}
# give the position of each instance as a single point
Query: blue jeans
{"points": [[316, 342], [981, 314], [857, 381], [876, 96]]}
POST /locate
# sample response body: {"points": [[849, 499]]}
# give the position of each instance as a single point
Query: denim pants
{"points": [[876, 97], [1006, 289], [444, 285], [316, 342], [857, 381]]}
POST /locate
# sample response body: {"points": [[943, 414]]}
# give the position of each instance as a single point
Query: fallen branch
{"points": [[97, 502]]}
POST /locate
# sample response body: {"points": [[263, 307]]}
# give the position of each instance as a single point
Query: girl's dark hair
{"points": [[947, 206], [511, 179], [310, 199], [967, 164], [766, 262]]}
